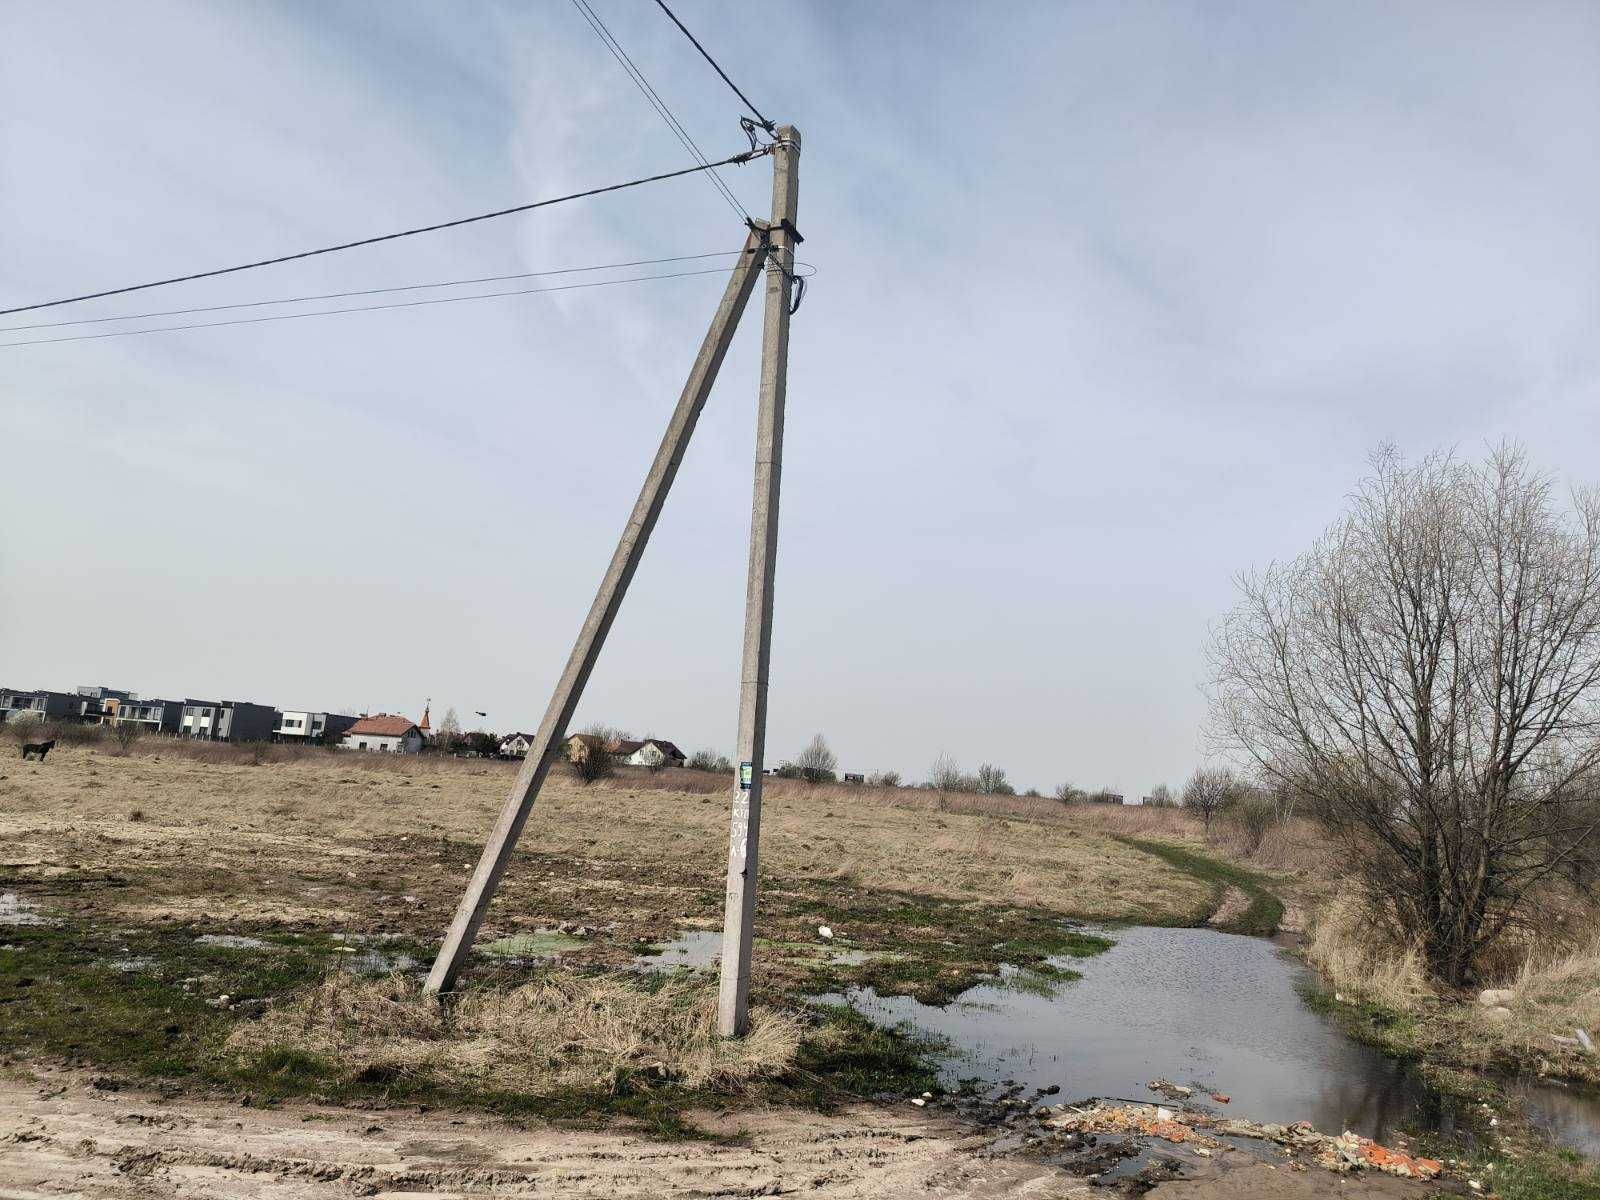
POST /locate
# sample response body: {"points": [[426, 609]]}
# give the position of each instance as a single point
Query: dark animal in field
{"points": [[39, 748]]}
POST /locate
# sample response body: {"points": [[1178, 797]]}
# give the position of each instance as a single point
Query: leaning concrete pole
{"points": [[630, 549], [733, 1004]]}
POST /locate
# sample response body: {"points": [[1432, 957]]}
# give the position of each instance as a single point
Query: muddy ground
{"points": [[71, 1133], [161, 900]]}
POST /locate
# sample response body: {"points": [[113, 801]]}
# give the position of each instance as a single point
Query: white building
{"points": [[385, 733], [516, 745]]}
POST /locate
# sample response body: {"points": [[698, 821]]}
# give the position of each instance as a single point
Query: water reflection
{"points": [[1217, 1012]]}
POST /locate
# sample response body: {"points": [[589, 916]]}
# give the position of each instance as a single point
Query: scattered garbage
{"points": [[1496, 997], [1200, 1131], [824, 932], [1170, 1090]]}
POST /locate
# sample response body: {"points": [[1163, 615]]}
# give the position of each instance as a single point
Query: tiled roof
{"points": [[383, 725]]}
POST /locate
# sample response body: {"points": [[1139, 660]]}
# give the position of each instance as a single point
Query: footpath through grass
{"points": [[1259, 919]]}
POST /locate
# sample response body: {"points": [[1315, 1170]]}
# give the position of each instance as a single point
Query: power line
{"points": [[743, 157], [410, 287], [663, 110], [756, 112], [334, 312]]}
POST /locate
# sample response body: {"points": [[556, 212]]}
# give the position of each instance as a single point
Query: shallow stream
{"points": [[1215, 1012]]}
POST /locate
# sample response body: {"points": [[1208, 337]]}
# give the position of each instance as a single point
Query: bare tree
{"points": [[1209, 789], [1426, 679], [1161, 796], [1070, 794], [816, 762], [945, 775], [449, 731], [595, 762], [991, 781], [884, 779]]}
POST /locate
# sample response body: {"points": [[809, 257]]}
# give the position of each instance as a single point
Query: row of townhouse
{"points": [[196, 719]]}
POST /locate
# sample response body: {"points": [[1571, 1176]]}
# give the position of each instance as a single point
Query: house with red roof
{"points": [[384, 733]]}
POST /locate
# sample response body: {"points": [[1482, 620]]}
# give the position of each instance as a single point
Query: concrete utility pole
{"points": [[733, 1017], [630, 549]]}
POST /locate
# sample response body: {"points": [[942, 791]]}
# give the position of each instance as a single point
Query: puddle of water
{"points": [[541, 943], [378, 962], [698, 949], [1568, 1118], [1215, 1011], [695, 949], [229, 941], [14, 910]]}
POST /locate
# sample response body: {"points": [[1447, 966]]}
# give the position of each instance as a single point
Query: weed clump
{"points": [[562, 1033]]}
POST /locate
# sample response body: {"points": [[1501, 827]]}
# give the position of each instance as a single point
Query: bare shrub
{"points": [[945, 775], [127, 733], [594, 763], [1253, 814], [884, 779], [710, 760], [816, 762], [1069, 794], [1426, 678], [991, 781], [1161, 796], [1209, 790]]}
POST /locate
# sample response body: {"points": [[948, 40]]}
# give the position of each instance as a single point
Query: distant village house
{"points": [[384, 733]]}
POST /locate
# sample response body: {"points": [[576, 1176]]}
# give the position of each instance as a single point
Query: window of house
{"points": [[362, 745]]}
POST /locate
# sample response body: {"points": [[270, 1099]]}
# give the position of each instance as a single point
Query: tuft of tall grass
{"points": [[559, 1034]]}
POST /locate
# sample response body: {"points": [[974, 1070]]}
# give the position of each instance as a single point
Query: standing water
{"points": [[1213, 1011]]}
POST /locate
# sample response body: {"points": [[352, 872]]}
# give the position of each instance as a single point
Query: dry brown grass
{"points": [[560, 1034], [1360, 957], [307, 808]]}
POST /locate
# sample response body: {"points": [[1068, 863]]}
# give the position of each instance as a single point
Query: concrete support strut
{"points": [[733, 1000], [630, 549]]}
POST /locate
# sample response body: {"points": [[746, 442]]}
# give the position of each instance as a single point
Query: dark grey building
{"points": [[155, 716], [227, 721], [40, 705]]}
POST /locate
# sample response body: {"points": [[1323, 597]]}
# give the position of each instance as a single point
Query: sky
{"points": [[1112, 302]]}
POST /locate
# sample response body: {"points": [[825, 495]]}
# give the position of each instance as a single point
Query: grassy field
{"points": [[208, 914]]}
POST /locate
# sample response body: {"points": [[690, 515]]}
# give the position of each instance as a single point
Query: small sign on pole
{"points": [[747, 772]]}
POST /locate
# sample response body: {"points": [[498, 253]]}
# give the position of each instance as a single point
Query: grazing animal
{"points": [[39, 748]]}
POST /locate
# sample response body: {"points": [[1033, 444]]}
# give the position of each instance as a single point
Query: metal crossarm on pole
{"points": [[630, 549]]}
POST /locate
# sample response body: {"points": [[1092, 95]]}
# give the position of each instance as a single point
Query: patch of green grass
{"points": [[1540, 1175], [1046, 979], [852, 1056], [1265, 911]]}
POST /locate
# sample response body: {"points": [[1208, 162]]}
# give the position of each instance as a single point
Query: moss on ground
{"points": [[1265, 910]]}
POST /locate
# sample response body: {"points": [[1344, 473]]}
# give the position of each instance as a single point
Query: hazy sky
{"points": [[1112, 302]]}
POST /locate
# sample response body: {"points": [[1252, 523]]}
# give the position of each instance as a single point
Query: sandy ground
{"points": [[64, 1134], [60, 1136]]}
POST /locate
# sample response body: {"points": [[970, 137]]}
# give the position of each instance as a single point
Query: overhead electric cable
{"points": [[756, 112], [334, 312], [409, 287], [663, 110], [743, 157]]}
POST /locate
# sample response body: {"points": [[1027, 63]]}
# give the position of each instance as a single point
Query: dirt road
{"points": [[67, 1133], [62, 1136]]}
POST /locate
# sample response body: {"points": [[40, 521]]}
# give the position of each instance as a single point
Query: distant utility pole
{"points": [[733, 1001]]}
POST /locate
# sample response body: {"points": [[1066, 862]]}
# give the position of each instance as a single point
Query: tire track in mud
{"points": [[58, 1133]]}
